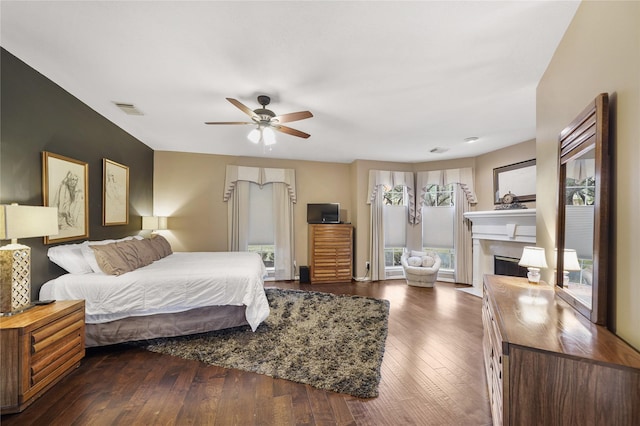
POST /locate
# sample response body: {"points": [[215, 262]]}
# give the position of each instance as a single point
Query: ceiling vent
{"points": [[438, 150], [129, 109]]}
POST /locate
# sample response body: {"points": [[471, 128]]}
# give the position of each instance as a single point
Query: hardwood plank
{"points": [[340, 409], [234, 406], [320, 408], [202, 398]]}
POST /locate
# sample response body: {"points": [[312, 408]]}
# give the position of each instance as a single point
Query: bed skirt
{"points": [[198, 320]]}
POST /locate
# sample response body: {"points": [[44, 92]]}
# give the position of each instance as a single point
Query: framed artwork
{"points": [[115, 193], [518, 179], [65, 185]]}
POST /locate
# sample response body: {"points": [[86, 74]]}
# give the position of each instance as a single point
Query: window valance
{"points": [[260, 176], [463, 177], [378, 178]]}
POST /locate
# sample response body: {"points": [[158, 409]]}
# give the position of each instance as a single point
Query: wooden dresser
{"points": [[39, 347], [330, 253], [548, 365]]}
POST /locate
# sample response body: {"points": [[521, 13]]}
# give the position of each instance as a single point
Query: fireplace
{"points": [[503, 265], [501, 233]]}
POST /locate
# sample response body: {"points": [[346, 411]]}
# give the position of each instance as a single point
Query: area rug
{"points": [[328, 341]]}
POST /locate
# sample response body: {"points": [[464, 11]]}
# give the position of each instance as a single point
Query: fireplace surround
{"points": [[498, 233]]}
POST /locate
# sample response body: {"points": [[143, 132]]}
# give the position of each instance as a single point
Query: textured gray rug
{"points": [[330, 342]]}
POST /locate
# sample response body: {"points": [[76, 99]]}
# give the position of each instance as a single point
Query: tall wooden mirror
{"points": [[583, 211]]}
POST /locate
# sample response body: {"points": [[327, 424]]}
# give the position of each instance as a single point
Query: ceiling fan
{"points": [[266, 121]]}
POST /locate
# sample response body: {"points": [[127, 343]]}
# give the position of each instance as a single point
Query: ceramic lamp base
{"points": [[15, 278], [534, 275]]}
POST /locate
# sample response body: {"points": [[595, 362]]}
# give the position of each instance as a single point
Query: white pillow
{"points": [[414, 261], [418, 253], [70, 258], [428, 261], [90, 257]]}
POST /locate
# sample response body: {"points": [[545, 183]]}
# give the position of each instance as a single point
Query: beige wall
{"points": [[188, 188], [600, 53]]}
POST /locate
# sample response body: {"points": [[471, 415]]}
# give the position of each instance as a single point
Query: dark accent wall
{"points": [[38, 115]]}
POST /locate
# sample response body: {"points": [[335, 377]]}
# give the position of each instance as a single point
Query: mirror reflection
{"points": [[582, 238], [580, 190]]}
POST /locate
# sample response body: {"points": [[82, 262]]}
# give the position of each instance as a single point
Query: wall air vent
{"points": [[438, 150], [128, 108]]}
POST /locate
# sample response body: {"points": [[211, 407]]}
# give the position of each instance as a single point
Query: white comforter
{"points": [[176, 283]]}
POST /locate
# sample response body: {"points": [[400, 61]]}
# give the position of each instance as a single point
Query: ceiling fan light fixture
{"points": [[268, 136], [254, 136], [267, 122]]}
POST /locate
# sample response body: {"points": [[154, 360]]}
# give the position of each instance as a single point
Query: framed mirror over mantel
{"points": [[582, 258], [518, 179]]}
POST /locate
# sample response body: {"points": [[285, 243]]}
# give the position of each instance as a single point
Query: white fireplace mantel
{"points": [[498, 232]]}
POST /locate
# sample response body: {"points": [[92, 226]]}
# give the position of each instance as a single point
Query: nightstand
{"points": [[38, 347]]}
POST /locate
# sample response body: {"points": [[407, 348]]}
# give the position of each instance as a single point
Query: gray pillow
{"points": [[111, 260], [161, 244]]}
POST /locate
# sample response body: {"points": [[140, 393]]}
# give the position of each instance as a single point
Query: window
{"points": [[261, 226], [395, 224], [266, 252], [581, 192], [438, 223], [579, 217]]}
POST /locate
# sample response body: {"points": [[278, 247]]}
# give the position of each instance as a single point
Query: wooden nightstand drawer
{"points": [[38, 348]]}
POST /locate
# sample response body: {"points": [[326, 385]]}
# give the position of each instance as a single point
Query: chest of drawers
{"points": [[38, 348], [546, 364], [331, 252]]}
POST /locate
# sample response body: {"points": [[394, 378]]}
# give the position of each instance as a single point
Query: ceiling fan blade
{"points": [[293, 116], [242, 107], [229, 122], [290, 131]]}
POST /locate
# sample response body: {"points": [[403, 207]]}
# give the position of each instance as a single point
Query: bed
{"points": [[173, 294]]}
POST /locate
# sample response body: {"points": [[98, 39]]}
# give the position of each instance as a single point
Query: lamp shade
{"points": [[254, 136], [571, 260], [17, 221], [533, 257], [268, 136], [154, 223], [263, 134]]}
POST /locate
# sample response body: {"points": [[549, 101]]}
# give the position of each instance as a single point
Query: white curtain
{"points": [[236, 193], [463, 247], [377, 239], [465, 196], [377, 180], [238, 217], [283, 226]]}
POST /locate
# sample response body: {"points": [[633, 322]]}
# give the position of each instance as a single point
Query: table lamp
{"points": [[18, 221], [570, 263], [533, 258]]}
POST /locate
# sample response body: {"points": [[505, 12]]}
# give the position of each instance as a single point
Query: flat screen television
{"points": [[323, 213]]}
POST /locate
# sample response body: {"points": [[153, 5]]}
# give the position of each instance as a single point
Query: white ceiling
{"points": [[384, 80]]}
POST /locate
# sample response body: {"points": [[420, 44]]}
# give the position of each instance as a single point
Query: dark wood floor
{"points": [[432, 374]]}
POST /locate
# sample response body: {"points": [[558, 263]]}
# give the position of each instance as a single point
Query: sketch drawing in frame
{"points": [[518, 178], [65, 185], [115, 193]]}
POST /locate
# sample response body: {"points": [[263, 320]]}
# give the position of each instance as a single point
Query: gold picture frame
{"points": [[65, 185], [115, 193]]}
